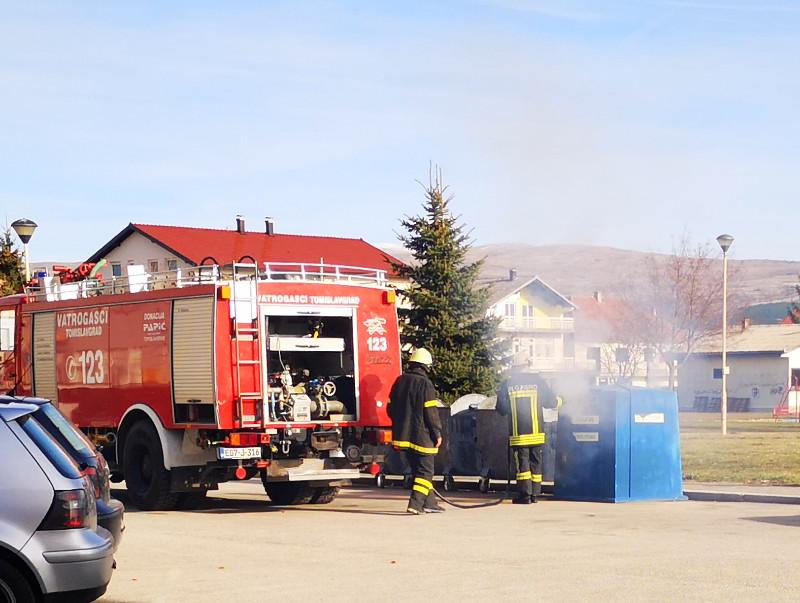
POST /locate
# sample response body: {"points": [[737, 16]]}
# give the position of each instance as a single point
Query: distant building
{"points": [[161, 249], [763, 359], [539, 323], [606, 335], [772, 313]]}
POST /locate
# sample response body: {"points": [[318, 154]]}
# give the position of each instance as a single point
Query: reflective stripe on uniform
{"points": [[423, 482], [513, 405], [535, 411], [414, 447], [431, 403], [524, 475], [532, 439], [422, 489], [537, 478]]}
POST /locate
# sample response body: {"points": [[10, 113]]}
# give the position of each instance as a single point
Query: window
{"points": [[7, 330], [116, 269], [527, 311], [50, 448], [593, 354], [717, 373], [569, 345], [622, 355], [510, 309], [63, 431], [545, 348], [172, 265], [153, 265]]}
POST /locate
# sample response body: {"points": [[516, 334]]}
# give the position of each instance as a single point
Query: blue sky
{"points": [[613, 123]]}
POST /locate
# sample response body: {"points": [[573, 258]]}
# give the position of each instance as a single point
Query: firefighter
{"points": [[521, 398], [417, 429]]}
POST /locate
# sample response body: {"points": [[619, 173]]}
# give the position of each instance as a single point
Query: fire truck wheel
{"points": [[145, 476], [323, 496], [289, 493], [191, 500]]}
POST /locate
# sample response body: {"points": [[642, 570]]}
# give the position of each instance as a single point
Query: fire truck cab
{"points": [[186, 381]]}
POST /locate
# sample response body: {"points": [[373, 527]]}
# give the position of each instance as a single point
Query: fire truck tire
{"points": [[323, 496], [288, 493], [147, 480]]}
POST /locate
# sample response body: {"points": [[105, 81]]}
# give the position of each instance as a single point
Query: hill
{"points": [[584, 269]]}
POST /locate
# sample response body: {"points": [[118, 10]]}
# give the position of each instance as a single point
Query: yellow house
{"points": [[539, 322]]}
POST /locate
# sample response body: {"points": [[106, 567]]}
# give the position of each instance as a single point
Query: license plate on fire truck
{"points": [[251, 452]]}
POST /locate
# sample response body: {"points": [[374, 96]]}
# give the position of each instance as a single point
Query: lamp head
{"points": [[24, 229], [725, 241]]}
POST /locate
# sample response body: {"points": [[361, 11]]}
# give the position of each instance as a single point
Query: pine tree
{"points": [[793, 311], [448, 309], [11, 269]]}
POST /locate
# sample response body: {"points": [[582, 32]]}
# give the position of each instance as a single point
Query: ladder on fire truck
{"points": [[244, 297]]}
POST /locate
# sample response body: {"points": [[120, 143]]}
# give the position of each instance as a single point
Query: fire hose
{"points": [[491, 503]]}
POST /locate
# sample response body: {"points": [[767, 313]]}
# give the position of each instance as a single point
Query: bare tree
{"points": [[680, 305]]}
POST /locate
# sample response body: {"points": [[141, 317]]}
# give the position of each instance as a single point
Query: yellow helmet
{"points": [[421, 356]]}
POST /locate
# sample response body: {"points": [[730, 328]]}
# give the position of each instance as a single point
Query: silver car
{"points": [[50, 544]]}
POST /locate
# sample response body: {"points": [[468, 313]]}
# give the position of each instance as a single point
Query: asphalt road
{"points": [[364, 547]]}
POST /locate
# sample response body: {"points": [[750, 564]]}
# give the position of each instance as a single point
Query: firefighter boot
{"points": [[431, 504], [434, 508], [522, 499]]}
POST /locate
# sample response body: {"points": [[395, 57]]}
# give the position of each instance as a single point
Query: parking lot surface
{"points": [[363, 546]]}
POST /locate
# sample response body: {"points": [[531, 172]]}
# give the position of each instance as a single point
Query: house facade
{"points": [[763, 361], [538, 322]]}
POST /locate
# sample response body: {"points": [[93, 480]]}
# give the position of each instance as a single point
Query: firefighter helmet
{"points": [[421, 356]]}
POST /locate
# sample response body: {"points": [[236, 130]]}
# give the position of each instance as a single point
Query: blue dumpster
{"points": [[619, 444]]}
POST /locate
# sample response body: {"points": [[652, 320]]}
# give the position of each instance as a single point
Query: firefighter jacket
{"points": [[412, 407], [521, 398]]}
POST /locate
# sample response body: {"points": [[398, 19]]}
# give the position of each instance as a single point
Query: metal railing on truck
{"points": [[50, 288]]}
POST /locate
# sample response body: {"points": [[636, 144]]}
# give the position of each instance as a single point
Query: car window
{"points": [[65, 432], [51, 449]]}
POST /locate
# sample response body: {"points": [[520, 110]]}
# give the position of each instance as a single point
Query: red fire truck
{"points": [[228, 372]]}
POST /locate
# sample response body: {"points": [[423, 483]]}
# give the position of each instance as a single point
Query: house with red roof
{"points": [[161, 249], [609, 332]]}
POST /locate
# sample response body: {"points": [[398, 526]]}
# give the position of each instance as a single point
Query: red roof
{"points": [[599, 320], [196, 244]]}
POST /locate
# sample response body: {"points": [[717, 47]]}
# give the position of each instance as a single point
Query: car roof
{"points": [[4, 399], [12, 411]]}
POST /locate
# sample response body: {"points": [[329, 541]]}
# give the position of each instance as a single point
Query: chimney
{"points": [[239, 224], [269, 226], [512, 274], [598, 297], [745, 323]]}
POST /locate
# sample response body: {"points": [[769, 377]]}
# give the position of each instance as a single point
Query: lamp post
{"points": [[725, 241], [24, 229]]}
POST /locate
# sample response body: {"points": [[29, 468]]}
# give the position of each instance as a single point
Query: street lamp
{"points": [[24, 229], [725, 241]]}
